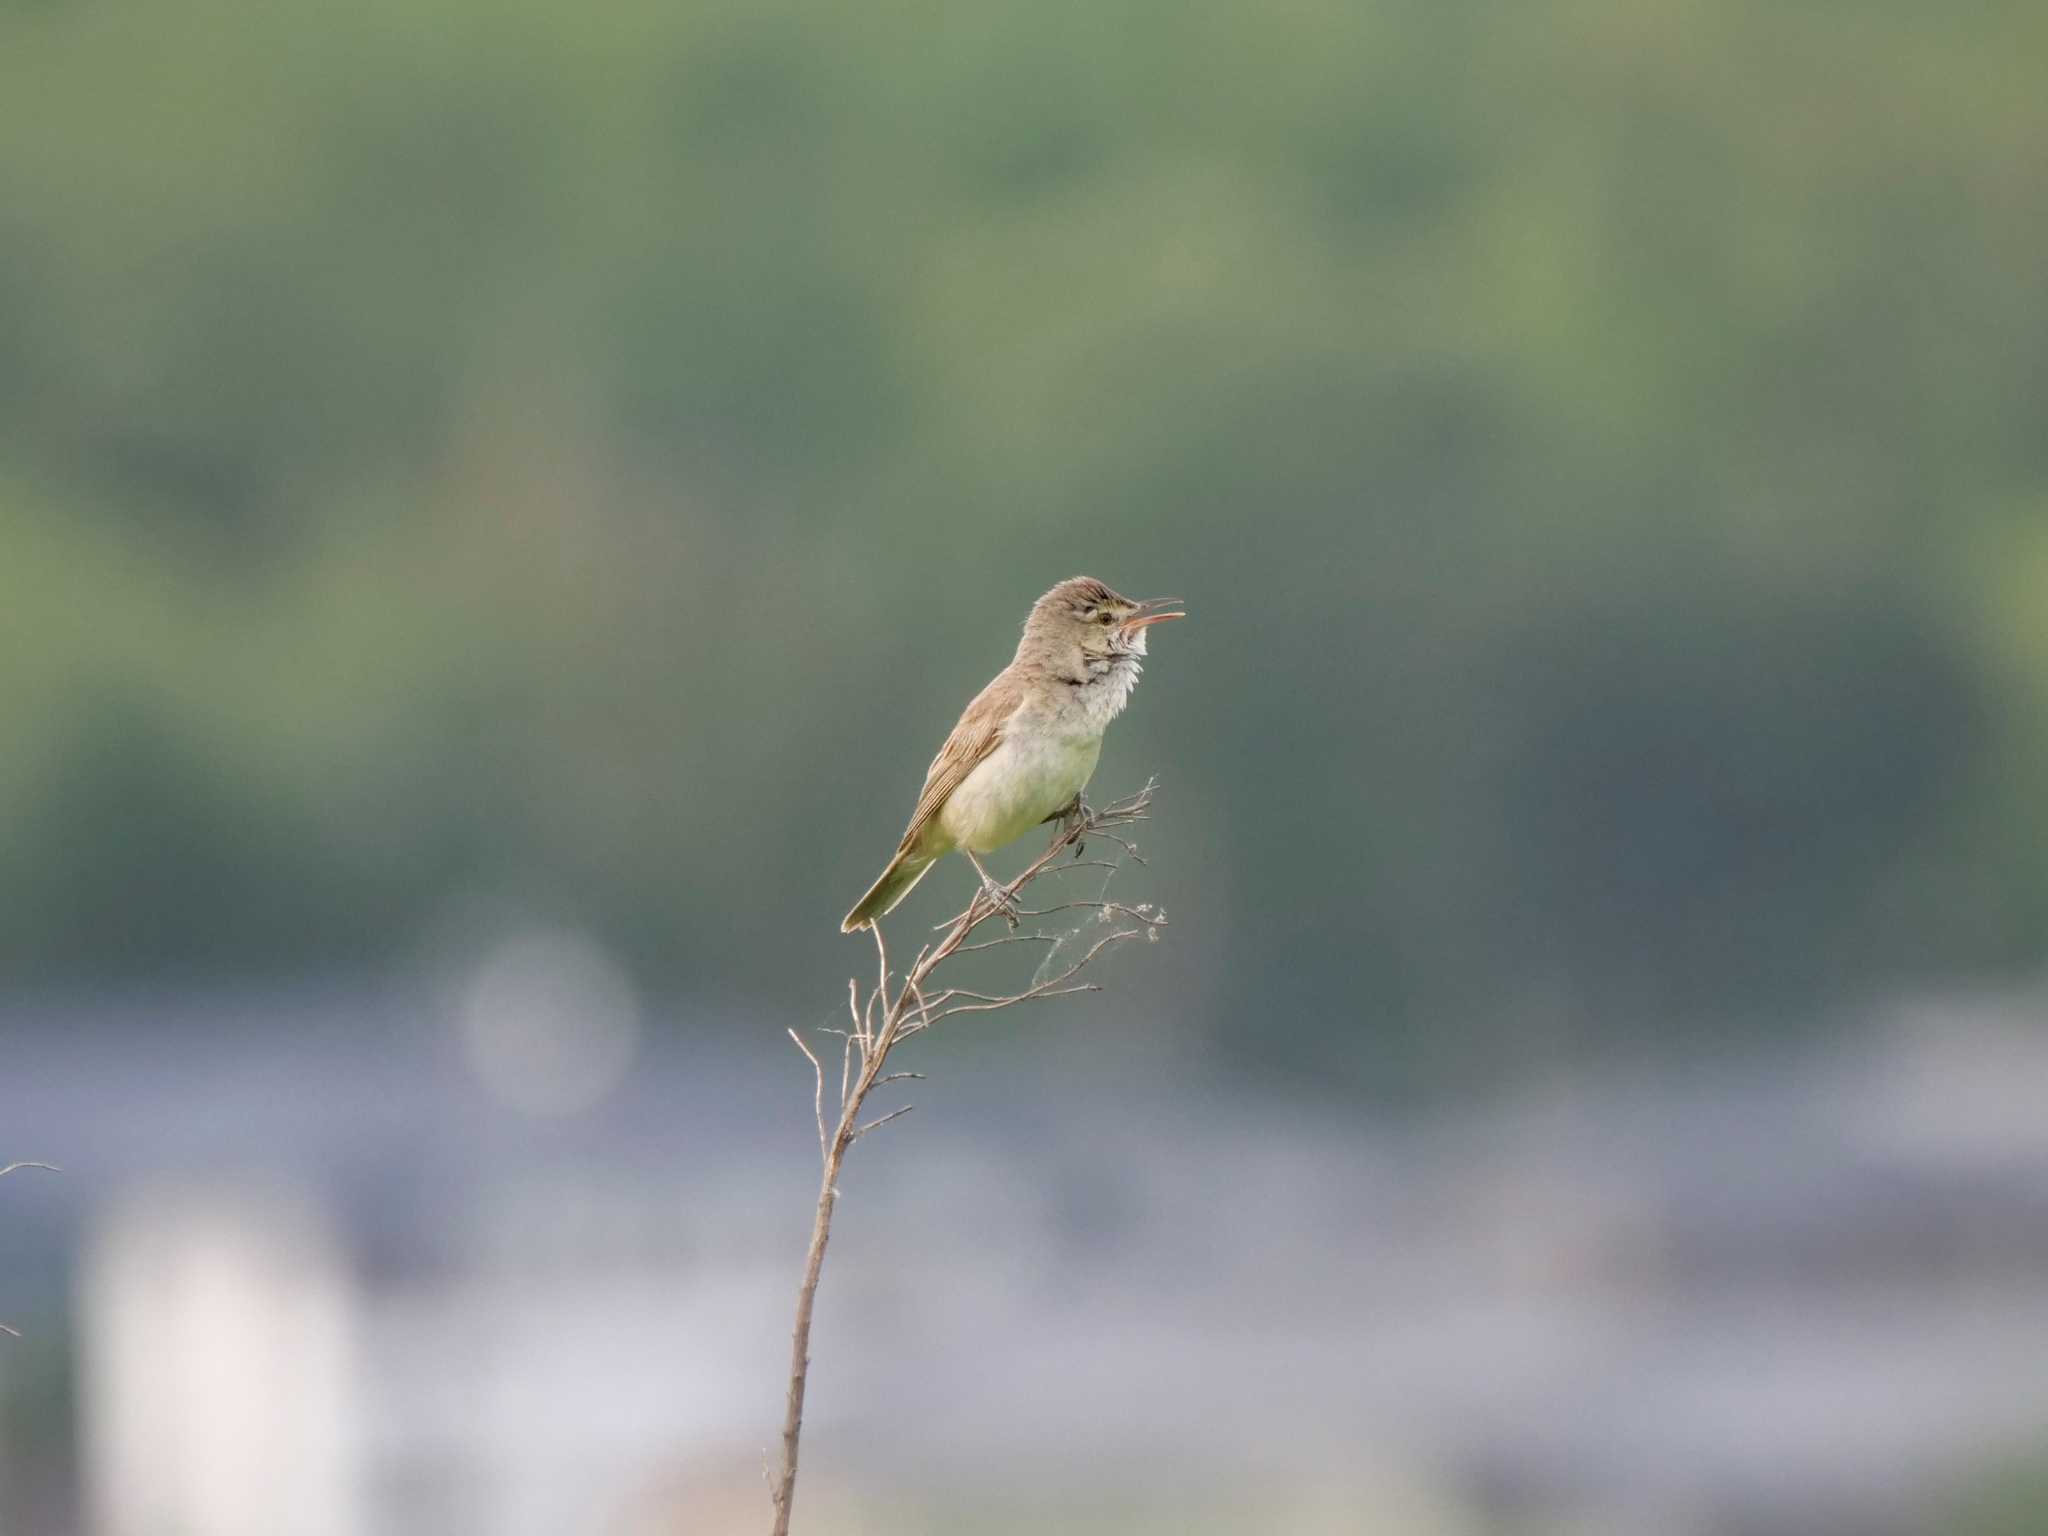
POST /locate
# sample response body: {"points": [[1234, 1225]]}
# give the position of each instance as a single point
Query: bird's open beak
{"points": [[1156, 611]]}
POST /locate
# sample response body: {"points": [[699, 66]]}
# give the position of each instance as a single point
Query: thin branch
{"points": [[917, 997], [1010, 938], [897, 1007], [882, 962], [1130, 848], [818, 1092], [877, 1123], [1146, 914], [1010, 1002]]}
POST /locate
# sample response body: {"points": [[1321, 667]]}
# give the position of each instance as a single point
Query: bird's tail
{"points": [[904, 871]]}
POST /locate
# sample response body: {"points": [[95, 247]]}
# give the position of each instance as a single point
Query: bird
{"points": [[1025, 746]]}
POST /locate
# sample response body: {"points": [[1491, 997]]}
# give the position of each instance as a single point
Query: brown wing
{"points": [[979, 733]]}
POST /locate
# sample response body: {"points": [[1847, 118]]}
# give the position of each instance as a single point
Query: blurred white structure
{"points": [[217, 1371]]}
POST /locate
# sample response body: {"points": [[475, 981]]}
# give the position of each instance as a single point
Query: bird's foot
{"points": [[999, 900], [1073, 816], [1082, 815]]}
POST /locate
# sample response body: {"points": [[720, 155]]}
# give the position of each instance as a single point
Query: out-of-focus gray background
{"points": [[498, 503]]}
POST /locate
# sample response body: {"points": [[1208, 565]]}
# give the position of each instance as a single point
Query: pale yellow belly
{"points": [[1019, 784]]}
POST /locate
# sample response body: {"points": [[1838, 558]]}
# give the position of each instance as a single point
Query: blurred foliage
{"points": [[587, 457]]}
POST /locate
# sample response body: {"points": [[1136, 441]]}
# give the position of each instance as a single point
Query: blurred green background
{"points": [[584, 458]]}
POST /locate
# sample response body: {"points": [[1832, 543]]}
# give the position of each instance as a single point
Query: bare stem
{"points": [[893, 1013]]}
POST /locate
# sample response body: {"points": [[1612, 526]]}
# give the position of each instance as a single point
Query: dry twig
{"points": [[897, 1007]]}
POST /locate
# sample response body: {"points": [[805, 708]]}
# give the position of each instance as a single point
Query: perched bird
{"points": [[1022, 752]]}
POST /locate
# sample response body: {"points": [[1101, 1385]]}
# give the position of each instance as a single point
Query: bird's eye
{"points": [[1105, 616]]}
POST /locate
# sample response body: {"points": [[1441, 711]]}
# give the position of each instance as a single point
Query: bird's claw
{"points": [[1073, 816], [1000, 901]]}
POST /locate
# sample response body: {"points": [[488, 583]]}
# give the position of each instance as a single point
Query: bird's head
{"points": [[1102, 623]]}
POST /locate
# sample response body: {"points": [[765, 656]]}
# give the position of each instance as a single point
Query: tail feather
{"points": [[904, 871]]}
